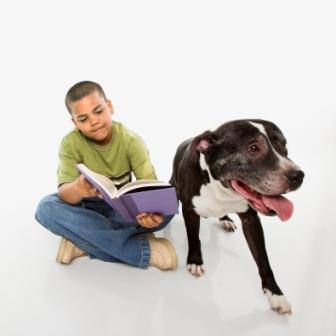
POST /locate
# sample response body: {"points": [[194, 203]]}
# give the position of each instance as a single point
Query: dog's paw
{"points": [[228, 225], [278, 303], [196, 270]]}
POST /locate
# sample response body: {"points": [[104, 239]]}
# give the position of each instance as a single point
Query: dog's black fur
{"points": [[252, 152]]}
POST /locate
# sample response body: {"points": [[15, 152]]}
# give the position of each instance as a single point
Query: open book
{"points": [[135, 197]]}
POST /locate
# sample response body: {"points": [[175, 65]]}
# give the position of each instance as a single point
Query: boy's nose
{"points": [[93, 121]]}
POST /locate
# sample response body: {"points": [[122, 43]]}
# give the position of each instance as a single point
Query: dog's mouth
{"points": [[267, 205]]}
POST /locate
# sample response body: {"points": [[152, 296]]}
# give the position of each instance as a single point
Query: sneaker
{"points": [[162, 253], [67, 252]]}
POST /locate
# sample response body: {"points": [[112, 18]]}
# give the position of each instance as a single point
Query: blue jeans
{"points": [[97, 229]]}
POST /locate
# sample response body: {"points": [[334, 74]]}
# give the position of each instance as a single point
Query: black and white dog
{"points": [[242, 167]]}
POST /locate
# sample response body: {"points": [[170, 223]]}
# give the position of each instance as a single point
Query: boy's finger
{"points": [[150, 222], [157, 218], [147, 222], [142, 215], [83, 180], [139, 218], [96, 193], [85, 183]]}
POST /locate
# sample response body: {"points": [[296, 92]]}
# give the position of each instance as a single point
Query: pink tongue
{"points": [[281, 205]]}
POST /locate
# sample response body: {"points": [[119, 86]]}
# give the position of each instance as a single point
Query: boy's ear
{"points": [[73, 120], [109, 104], [204, 141]]}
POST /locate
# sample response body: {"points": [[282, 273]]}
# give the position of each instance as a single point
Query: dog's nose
{"points": [[295, 178]]}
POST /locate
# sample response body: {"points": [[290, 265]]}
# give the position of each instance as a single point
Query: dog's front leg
{"points": [[194, 259], [254, 235]]}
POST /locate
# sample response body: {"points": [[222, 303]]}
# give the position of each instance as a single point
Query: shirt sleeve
{"points": [[67, 171], [139, 159]]}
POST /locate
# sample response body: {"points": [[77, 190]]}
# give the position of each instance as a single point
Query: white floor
{"points": [[173, 70], [39, 296]]}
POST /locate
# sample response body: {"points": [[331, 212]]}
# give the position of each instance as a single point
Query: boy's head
{"points": [[80, 90], [90, 111]]}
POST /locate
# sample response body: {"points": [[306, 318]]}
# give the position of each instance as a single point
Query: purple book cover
{"points": [[118, 205], [162, 201]]}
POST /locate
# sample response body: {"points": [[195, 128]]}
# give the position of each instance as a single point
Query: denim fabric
{"points": [[97, 229]]}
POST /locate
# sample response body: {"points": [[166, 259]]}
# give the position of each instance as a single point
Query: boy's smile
{"points": [[92, 116]]}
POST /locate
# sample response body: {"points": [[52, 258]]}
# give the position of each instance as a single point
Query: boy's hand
{"points": [[149, 220], [85, 189]]}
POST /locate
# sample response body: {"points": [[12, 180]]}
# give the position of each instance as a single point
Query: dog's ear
{"points": [[204, 141]]}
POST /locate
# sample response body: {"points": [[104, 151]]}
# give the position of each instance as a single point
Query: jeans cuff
{"points": [[144, 262]]}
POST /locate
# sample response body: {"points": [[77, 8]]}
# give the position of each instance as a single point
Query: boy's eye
{"points": [[81, 119], [99, 111]]}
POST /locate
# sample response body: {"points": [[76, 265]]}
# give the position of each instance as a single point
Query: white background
{"points": [[172, 70]]}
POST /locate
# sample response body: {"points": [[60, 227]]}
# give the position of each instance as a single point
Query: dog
{"points": [[241, 167]]}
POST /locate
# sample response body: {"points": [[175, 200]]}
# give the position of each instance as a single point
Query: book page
{"points": [[140, 184], [106, 182], [98, 180]]}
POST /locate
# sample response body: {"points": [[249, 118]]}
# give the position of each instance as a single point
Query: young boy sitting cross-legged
{"points": [[87, 224]]}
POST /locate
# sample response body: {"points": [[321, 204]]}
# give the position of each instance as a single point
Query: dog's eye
{"points": [[253, 149]]}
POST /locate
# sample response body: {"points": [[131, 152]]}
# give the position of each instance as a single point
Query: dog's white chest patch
{"points": [[215, 200]]}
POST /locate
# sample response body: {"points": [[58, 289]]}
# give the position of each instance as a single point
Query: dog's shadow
{"points": [[206, 298], [247, 323], [213, 237]]}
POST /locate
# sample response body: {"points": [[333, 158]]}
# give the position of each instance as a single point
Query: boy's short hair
{"points": [[80, 90]]}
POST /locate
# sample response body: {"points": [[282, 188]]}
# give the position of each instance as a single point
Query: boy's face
{"points": [[92, 116]]}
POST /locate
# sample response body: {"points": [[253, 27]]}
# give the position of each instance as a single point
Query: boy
{"points": [[77, 213]]}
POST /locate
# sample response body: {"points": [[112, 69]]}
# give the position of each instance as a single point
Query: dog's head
{"points": [[250, 157]]}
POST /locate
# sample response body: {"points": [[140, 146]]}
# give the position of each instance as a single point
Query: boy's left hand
{"points": [[149, 220]]}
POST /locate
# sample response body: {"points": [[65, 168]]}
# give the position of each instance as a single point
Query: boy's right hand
{"points": [[85, 189]]}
